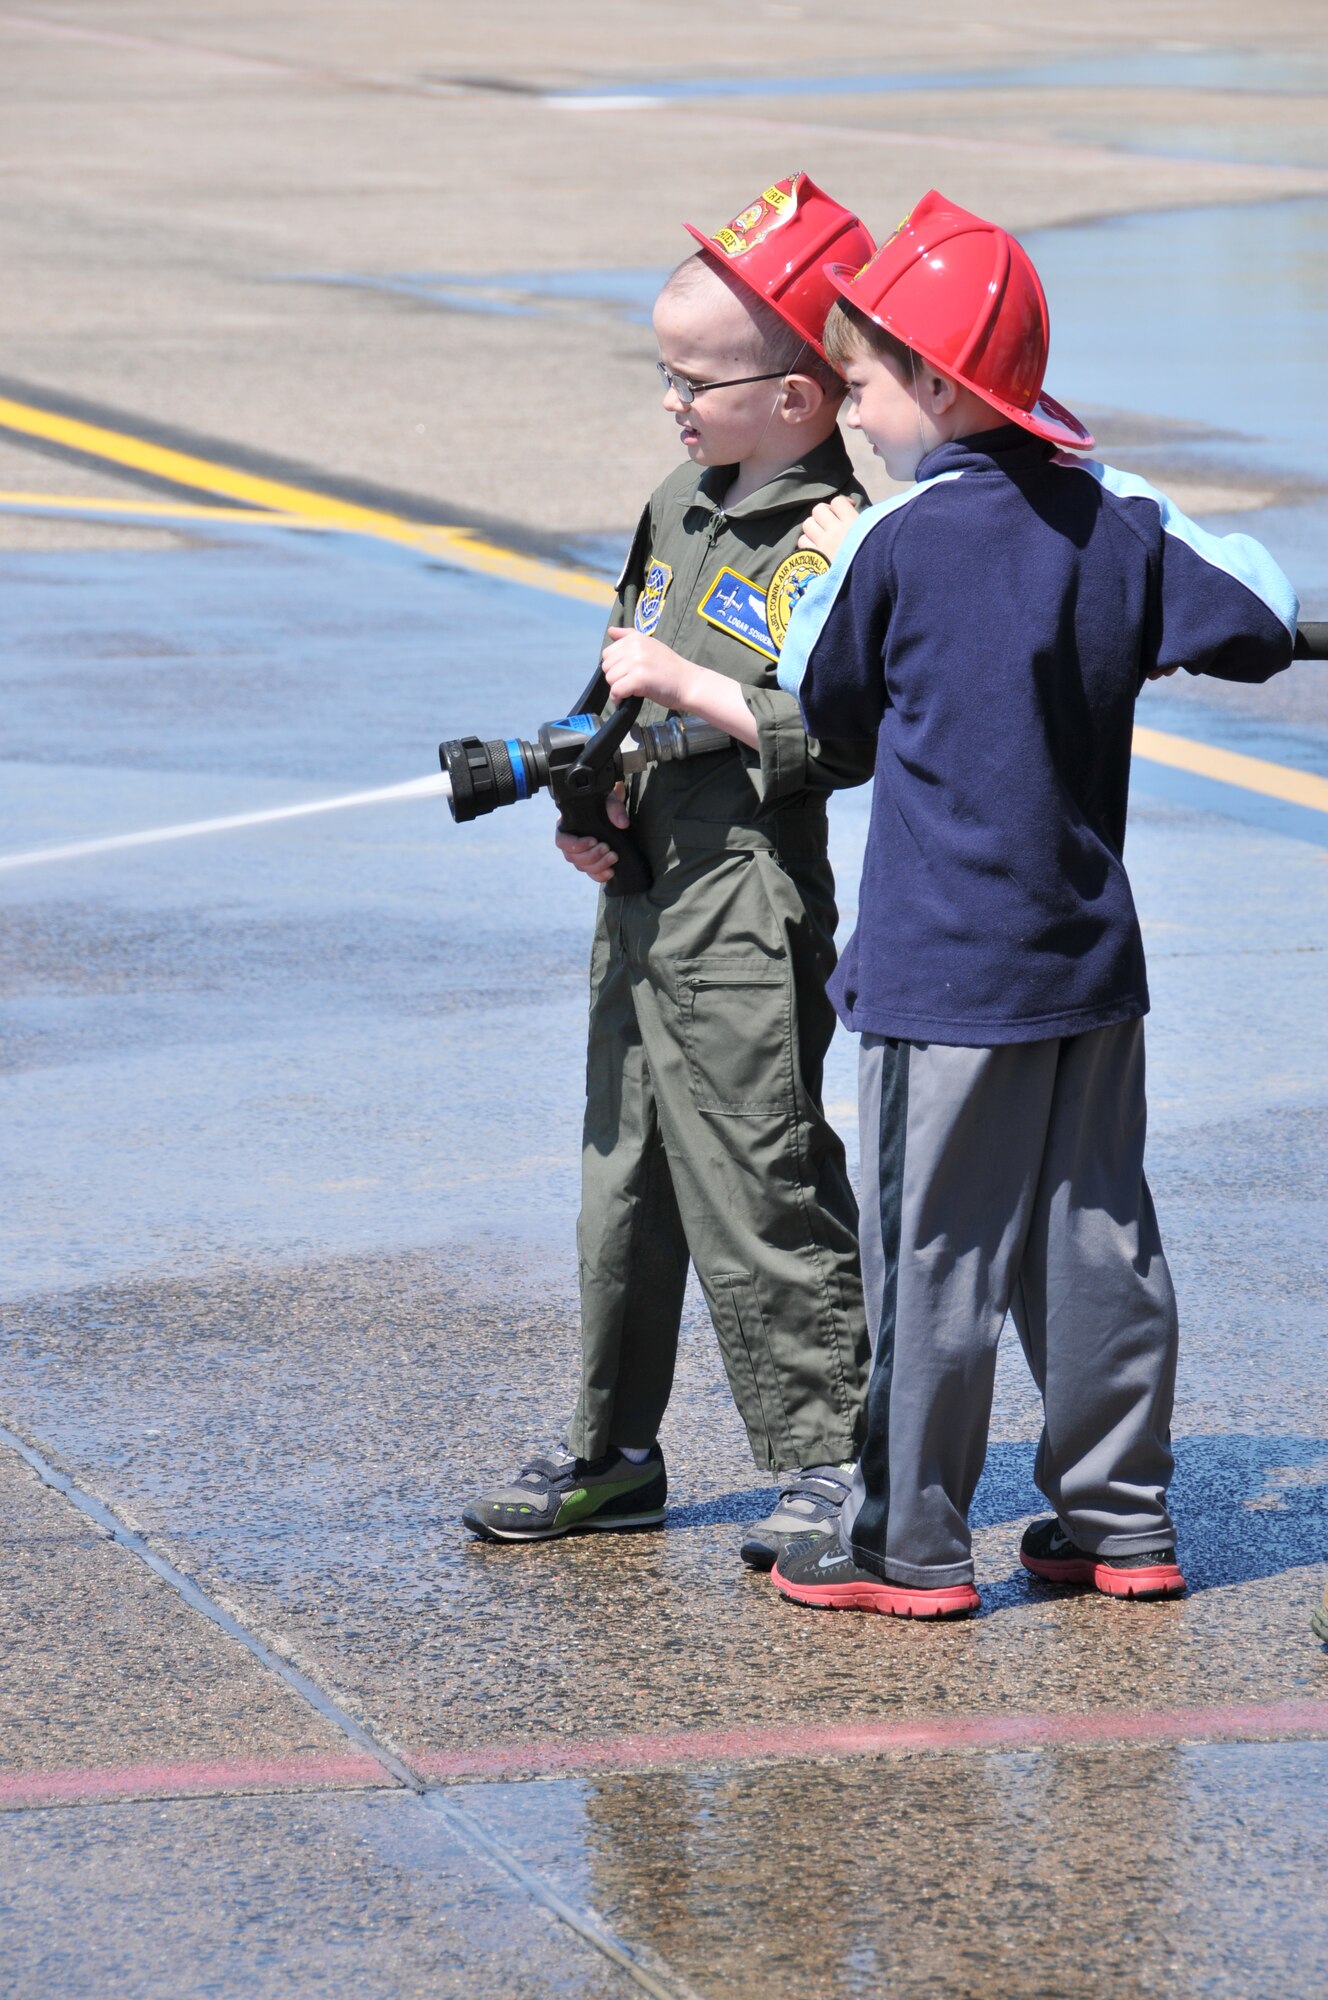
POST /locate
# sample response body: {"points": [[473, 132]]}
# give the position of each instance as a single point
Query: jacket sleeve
{"points": [[793, 762], [632, 574], [833, 658], [594, 699], [1223, 605], [1220, 604]]}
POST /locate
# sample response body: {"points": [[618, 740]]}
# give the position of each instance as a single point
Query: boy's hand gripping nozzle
{"points": [[579, 759]]}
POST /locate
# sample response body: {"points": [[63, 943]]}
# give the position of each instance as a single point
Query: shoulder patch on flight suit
{"points": [[737, 606], [786, 587], [653, 592]]}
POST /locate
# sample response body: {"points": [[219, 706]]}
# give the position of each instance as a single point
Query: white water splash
{"points": [[75, 850]]}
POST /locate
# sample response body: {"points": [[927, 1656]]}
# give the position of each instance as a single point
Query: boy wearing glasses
{"points": [[705, 1139]]}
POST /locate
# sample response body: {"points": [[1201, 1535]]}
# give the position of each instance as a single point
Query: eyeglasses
{"points": [[687, 392]]}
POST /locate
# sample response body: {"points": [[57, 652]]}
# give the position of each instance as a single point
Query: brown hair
{"points": [[849, 332]]}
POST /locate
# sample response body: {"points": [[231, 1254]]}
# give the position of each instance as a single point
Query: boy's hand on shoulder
{"points": [[827, 524], [634, 665]]}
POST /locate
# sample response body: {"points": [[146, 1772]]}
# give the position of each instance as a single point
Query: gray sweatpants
{"points": [[995, 1180]]}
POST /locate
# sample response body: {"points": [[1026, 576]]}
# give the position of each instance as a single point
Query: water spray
{"points": [[579, 759], [75, 850]]}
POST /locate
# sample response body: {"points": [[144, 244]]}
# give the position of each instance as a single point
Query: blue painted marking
{"points": [[1300, 75], [586, 724], [1210, 795]]}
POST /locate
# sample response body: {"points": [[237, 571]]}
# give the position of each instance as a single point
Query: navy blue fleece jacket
{"points": [[991, 628]]}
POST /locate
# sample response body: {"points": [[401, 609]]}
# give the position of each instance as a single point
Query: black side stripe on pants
{"points": [[870, 1525]]}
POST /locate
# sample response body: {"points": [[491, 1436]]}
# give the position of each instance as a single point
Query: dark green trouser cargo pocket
{"points": [[737, 1027]]}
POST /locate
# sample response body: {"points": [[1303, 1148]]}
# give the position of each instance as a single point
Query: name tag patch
{"points": [[737, 605], [653, 592]]}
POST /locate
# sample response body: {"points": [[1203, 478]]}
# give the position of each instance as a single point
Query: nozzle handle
{"points": [[1312, 640], [583, 801], [588, 813]]}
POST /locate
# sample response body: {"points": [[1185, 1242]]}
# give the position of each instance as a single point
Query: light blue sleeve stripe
{"points": [[818, 599], [1238, 556]]}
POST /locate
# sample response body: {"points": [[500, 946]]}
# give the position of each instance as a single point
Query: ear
{"points": [[803, 398], [941, 392]]}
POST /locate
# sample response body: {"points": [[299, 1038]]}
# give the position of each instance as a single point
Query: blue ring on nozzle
{"points": [[518, 763]]}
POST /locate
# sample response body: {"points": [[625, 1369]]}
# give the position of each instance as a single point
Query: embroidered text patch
{"points": [[736, 605]]}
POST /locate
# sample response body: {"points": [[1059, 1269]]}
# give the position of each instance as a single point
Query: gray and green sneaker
{"points": [[562, 1495], [808, 1505], [1319, 1619]]}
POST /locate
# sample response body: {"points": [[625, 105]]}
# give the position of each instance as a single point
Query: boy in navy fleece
{"points": [[991, 628]]}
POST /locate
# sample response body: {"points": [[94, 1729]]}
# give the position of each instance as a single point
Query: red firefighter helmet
{"points": [[964, 294], [779, 248]]}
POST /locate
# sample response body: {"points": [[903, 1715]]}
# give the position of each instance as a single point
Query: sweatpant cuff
{"points": [[1163, 1536], [914, 1576]]}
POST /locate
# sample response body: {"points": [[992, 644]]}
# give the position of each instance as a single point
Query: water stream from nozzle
{"points": [[76, 850]]}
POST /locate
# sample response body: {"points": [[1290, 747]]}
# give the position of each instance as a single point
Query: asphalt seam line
{"points": [[463, 1824]]}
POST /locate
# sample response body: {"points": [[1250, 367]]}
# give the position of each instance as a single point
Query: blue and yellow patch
{"points": [[653, 592], [787, 585], [737, 605]]}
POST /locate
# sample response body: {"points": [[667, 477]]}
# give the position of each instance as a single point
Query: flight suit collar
{"points": [[818, 475]]}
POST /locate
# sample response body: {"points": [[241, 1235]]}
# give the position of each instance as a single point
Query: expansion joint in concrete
{"points": [[663, 1985]]}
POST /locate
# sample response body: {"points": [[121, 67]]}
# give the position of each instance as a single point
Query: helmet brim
{"points": [[1047, 418]]}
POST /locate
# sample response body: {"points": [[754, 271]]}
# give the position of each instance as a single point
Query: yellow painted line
{"points": [[73, 503], [460, 546], [297, 506], [1233, 767]]}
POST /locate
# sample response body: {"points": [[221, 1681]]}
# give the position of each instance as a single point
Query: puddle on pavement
{"points": [[1165, 68], [872, 1854], [1214, 316]]}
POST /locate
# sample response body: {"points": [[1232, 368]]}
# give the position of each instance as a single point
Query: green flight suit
{"points": [[704, 1132]]}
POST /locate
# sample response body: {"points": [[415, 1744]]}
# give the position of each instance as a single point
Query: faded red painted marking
{"points": [[688, 1747], [137, 1781], [677, 1749]]}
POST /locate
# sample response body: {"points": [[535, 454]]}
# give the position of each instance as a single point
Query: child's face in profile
{"points": [[705, 336], [890, 412]]}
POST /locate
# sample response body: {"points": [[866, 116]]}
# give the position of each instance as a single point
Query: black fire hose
{"points": [[582, 756]]}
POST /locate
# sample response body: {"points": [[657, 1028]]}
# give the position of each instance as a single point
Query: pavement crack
{"points": [[660, 1984]]}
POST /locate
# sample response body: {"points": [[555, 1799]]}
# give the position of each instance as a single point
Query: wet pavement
{"points": [[290, 1115], [291, 1150]]}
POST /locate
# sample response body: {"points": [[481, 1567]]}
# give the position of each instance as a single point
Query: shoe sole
{"points": [[893, 1600], [1162, 1580], [488, 1533]]}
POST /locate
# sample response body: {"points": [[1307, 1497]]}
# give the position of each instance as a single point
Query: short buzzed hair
{"points": [[774, 341]]}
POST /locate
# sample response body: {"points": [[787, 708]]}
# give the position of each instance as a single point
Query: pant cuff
{"points": [[1106, 1546], [826, 1451], [910, 1576]]}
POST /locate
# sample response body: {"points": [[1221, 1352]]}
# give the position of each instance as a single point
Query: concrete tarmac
{"points": [[291, 1114]]}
